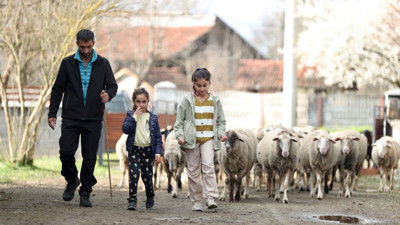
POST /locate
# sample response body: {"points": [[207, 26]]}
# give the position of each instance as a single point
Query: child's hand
{"points": [[223, 138], [138, 111], [157, 158], [181, 141]]}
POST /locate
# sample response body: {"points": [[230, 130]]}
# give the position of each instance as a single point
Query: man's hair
{"points": [[85, 35]]}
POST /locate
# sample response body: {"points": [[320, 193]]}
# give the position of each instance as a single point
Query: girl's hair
{"points": [[139, 91], [200, 73]]}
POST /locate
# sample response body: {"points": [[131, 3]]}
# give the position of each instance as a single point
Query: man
{"points": [[87, 82]]}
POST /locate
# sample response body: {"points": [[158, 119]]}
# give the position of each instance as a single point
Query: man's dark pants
{"points": [[89, 131]]}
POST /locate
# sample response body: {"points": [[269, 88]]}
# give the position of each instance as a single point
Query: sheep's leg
{"points": [[387, 180], [169, 176], [312, 187], [268, 178], [348, 183], [239, 187], [178, 183], [341, 190], [246, 185], [276, 190], [231, 188], [392, 179], [286, 186], [381, 174], [222, 195], [319, 175]]}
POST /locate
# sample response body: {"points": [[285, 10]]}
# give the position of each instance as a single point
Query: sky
{"points": [[244, 16]]}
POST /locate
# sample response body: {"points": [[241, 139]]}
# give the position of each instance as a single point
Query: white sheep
{"points": [[353, 148], [120, 149], [385, 154], [175, 163], [277, 153], [236, 158], [318, 155]]}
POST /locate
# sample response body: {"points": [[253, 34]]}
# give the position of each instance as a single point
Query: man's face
{"points": [[85, 48]]}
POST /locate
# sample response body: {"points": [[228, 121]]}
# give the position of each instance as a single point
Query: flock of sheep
{"points": [[281, 156]]}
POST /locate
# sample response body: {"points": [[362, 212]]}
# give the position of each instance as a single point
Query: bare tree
{"points": [[352, 43], [37, 35]]}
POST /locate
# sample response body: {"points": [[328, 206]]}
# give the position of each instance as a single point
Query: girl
{"points": [[143, 145], [199, 128]]}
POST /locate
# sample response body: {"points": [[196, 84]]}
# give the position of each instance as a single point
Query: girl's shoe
{"points": [[197, 206], [149, 202], [131, 204]]}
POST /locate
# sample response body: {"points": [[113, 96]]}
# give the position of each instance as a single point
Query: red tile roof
{"points": [[267, 76], [127, 42], [173, 74]]}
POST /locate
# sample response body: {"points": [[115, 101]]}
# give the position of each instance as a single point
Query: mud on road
{"points": [[40, 202]]}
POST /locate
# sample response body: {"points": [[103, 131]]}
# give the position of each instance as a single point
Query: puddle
{"points": [[341, 219]]}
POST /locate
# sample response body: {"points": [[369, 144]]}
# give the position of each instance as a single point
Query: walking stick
{"points": [[108, 150]]}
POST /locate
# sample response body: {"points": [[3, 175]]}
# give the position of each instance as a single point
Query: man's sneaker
{"points": [[210, 203], [131, 204], [149, 202], [69, 191], [197, 206], [85, 200]]}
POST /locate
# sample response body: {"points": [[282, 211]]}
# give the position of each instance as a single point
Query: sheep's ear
{"points": [[315, 139], [388, 144], [293, 139], [238, 138], [300, 136], [338, 139], [275, 138], [355, 139], [331, 140]]}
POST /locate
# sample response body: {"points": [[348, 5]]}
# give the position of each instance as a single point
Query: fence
{"points": [[254, 110]]}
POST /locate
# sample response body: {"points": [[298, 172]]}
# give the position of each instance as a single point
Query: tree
{"points": [[351, 42], [34, 37]]}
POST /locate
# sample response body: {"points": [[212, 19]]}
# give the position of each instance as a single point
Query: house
{"points": [[260, 75], [178, 43]]}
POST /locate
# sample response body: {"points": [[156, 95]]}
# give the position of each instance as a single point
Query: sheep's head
{"points": [[232, 137], [284, 140], [382, 147], [172, 158], [346, 143], [324, 143]]}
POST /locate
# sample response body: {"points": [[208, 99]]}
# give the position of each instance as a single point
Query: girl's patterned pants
{"points": [[140, 162]]}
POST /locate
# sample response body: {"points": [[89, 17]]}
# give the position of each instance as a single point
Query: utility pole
{"points": [[289, 68]]}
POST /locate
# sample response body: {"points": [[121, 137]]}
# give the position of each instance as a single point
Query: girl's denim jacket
{"points": [[129, 128], [185, 127]]}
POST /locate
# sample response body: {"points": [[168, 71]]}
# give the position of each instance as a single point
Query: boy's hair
{"points": [[201, 73], [139, 91], [85, 35]]}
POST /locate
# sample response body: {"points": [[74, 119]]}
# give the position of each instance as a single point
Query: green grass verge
{"points": [[47, 168]]}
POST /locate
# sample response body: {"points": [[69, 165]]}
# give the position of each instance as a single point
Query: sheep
{"points": [[368, 135], [236, 158], [385, 154], [120, 149], [175, 163], [277, 153], [353, 148], [317, 154]]}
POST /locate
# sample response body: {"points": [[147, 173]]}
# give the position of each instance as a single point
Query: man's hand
{"points": [[104, 97], [157, 158], [52, 122]]}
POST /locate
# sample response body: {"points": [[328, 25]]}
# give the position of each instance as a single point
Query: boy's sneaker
{"points": [[69, 191], [210, 203], [149, 202], [197, 206]]}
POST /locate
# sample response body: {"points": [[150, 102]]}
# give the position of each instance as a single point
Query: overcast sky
{"points": [[244, 16]]}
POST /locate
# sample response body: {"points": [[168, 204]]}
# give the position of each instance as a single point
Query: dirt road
{"points": [[40, 202]]}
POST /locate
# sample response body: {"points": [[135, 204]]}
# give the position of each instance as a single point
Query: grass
{"points": [[47, 168]]}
